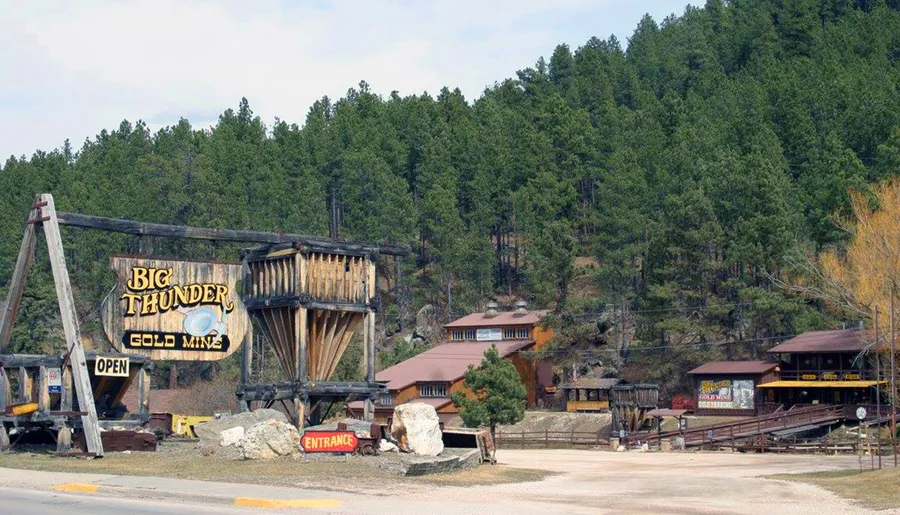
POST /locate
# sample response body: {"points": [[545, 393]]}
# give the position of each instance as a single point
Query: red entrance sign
{"points": [[329, 441]]}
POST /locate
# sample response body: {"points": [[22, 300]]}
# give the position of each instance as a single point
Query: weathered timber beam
{"points": [[338, 306], [289, 390], [42, 360], [200, 233]]}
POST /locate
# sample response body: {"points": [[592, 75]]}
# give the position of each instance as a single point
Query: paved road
{"points": [[36, 502]]}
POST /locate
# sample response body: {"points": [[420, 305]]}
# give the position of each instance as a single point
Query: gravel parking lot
{"points": [[679, 483]]}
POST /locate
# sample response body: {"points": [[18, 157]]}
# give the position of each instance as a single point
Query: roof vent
{"points": [[521, 308], [491, 310]]}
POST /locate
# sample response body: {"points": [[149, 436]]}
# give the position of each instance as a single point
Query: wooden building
{"points": [[816, 367], [589, 394], [729, 388], [432, 376], [822, 367]]}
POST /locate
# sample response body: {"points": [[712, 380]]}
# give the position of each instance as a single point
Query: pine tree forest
{"points": [[648, 192]]}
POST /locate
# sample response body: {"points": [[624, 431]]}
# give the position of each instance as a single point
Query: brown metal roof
{"points": [[734, 367], [839, 340], [500, 319], [593, 383], [444, 363]]}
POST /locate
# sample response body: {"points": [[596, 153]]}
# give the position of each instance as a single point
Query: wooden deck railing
{"points": [[549, 439]]}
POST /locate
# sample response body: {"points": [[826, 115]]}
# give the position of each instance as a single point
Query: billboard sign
{"points": [[718, 393], [179, 310]]}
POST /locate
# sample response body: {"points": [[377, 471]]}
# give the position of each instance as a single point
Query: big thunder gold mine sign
{"points": [[179, 310]]}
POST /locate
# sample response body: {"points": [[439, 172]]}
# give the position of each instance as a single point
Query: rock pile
{"points": [[260, 434]]}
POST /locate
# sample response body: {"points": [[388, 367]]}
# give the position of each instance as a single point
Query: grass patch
{"points": [[879, 489], [355, 474]]}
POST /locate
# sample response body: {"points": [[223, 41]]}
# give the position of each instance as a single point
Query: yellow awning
{"points": [[820, 384]]}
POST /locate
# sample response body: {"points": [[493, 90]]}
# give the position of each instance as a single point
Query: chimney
{"points": [[491, 310], [521, 309]]}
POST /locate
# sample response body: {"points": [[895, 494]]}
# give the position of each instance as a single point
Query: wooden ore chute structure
{"points": [[310, 302], [630, 404]]}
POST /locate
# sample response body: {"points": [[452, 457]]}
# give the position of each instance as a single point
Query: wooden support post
{"points": [[144, 392], [65, 403], [63, 439], [43, 393], [70, 326], [17, 286], [247, 357], [4, 389], [24, 385], [369, 345]]}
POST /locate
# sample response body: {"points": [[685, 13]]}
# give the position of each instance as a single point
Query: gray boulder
{"points": [[417, 429], [427, 323]]}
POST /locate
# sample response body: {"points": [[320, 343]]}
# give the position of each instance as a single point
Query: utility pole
{"points": [[893, 376], [877, 386]]}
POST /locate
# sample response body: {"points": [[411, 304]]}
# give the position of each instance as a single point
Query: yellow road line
{"points": [[251, 502], [85, 488]]}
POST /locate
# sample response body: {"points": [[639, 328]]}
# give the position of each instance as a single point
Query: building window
{"points": [[470, 334], [432, 390], [523, 333], [386, 400], [509, 334], [457, 334]]}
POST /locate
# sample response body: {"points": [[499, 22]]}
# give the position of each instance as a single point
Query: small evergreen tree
{"points": [[499, 395]]}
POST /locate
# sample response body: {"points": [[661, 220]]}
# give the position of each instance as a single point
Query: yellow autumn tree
{"points": [[865, 274]]}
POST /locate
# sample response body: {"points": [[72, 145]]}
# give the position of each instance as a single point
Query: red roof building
{"points": [[432, 376]]}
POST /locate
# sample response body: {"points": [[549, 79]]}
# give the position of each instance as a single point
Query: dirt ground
{"points": [[671, 483]]}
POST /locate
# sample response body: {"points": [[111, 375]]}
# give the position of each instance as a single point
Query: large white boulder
{"points": [[417, 429], [268, 440], [231, 436]]}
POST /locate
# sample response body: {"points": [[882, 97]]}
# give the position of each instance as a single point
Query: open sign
{"points": [[111, 366]]}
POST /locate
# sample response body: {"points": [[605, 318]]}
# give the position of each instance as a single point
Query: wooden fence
{"points": [[549, 439]]}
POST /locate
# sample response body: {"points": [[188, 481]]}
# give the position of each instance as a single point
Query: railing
{"points": [[587, 405], [794, 417], [549, 439], [826, 375]]}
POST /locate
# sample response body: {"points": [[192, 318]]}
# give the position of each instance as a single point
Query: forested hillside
{"points": [[683, 171]]}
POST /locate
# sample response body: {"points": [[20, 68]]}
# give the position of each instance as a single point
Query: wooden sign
{"points": [[178, 310], [329, 441], [111, 366]]}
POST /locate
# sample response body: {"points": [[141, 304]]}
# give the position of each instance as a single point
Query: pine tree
{"points": [[499, 397]]}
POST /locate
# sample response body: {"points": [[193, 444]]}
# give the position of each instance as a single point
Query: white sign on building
{"points": [[489, 335]]}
